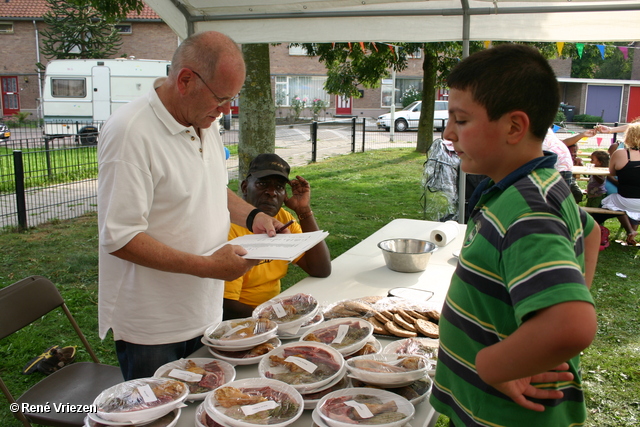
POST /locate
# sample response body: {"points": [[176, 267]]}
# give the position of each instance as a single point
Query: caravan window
{"points": [[68, 88]]}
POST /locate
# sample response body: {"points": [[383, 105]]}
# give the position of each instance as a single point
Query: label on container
{"points": [[259, 407], [183, 375], [279, 310], [147, 394], [302, 363], [342, 332], [362, 410]]}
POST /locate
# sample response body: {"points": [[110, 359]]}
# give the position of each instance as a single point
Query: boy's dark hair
{"points": [[510, 77], [602, 156]]}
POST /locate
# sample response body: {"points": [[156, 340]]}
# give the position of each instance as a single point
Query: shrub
{"points": [[587, 121], [560, 117]]}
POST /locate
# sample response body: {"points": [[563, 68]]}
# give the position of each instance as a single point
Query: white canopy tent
{"points": [[271, 21]]}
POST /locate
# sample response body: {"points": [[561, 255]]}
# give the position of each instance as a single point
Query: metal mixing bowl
{"points": [[406, 255]]}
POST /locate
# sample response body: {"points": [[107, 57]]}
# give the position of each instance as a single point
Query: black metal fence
{"points": [[46, 177]]}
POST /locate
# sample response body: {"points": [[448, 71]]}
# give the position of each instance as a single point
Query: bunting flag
{"points": [[625, 52], [374, 46], [362, 46], [560, 46], [580, 47], [487, 44], [391, 49], [601, 49], [349, 46]]}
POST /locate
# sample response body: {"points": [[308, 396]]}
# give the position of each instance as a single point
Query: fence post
{"points": [[21, 204], [314, 141], [364, 126], [47, 154], [353, 134]]}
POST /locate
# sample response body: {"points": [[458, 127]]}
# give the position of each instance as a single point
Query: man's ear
{"points": [[518, 126], [243, 188], [185, 79]]}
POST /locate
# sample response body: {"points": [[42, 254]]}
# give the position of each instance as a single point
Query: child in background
{"points": [[577, 161], [518, 311], [596, 188]]}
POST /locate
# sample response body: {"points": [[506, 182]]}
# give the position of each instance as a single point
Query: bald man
{"points": [[164, 205]]}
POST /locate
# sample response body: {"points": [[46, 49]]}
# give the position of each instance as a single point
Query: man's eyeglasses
{"points": [[221, 101]]}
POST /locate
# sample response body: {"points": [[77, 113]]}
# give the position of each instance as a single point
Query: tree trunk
{"points": [[257, 109], [425, 125]]}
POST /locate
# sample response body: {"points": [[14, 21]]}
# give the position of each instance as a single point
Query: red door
{"points": [[10, 96], [343, 106], [633, 112]]}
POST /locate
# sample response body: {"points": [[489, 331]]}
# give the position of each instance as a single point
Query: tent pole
{"points": [[466, 19]]}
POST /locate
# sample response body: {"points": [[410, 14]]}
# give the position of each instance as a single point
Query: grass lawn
{"points": [[352, 196]]}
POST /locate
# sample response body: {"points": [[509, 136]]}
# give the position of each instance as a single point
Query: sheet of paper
{"points": [[283, 246]]}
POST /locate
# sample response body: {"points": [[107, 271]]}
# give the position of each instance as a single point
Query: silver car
{"points": [[408, 117]]}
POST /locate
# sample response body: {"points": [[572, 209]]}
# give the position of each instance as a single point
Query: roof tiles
{"points": [[37, 8]]}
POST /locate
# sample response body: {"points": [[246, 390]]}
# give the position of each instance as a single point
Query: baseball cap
{"points": [[269, 164]]}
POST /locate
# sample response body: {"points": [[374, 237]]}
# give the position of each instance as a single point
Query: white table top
{"points": [[359, 272], [585, 170]]}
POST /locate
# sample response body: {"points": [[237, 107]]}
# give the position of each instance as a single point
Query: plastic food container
{"points": [[365, 406], [347, 334], [201, 375], [416, 392], [289, 312], [311, 399], [246, 357], [168, 420], [255, 401], [306, 366], [427, 347], [372, 346], [291, 334], [388, 370], [141, 400], [239, 334]]}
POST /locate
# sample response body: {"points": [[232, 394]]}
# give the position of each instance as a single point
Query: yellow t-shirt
{"points": [[262, 282]]}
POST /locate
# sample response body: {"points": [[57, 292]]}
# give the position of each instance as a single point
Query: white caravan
{"points": [[80, 94]]}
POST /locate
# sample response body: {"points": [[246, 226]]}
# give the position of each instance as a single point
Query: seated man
{"points": [[265, 187]]}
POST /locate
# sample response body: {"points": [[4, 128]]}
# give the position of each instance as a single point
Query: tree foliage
{"points": [[78, 31], [115, 10]]}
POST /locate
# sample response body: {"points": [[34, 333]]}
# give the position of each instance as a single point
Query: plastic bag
{"points": [[440, 181]]}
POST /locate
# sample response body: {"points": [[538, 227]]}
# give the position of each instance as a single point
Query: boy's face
{"points": [[480, 143]]}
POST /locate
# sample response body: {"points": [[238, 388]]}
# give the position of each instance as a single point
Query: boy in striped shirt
{"points": [[518, 311]]}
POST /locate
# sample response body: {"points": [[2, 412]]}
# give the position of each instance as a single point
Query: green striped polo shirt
{"points": [[523, 251]]}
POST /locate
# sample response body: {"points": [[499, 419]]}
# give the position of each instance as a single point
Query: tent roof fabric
{"points": [[281, 21]]}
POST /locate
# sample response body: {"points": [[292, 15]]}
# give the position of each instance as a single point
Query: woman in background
{"points": [[625, 164]]}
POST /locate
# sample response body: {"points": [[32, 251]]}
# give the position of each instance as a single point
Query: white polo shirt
{"points": [[158, 177]]}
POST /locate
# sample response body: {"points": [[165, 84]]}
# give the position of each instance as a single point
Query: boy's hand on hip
{"points": [[521, 390]]}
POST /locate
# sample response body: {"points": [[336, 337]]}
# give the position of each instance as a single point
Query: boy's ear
{"points": [[518, 126]]}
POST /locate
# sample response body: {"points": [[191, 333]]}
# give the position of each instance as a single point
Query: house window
{"points": [[404, 88], [297, 51], [289, 87], [124, 28], [68, 88], [415, 55], [6, 27]]}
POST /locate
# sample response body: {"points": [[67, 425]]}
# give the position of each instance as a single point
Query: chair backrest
{"points": [[26, 301], [29, 299]]}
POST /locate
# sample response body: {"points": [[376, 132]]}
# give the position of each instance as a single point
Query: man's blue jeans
{"points": [[141, 361]]}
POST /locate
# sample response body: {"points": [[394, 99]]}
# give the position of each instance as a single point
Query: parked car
{"points": [[408, 117], [5, 133]]}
